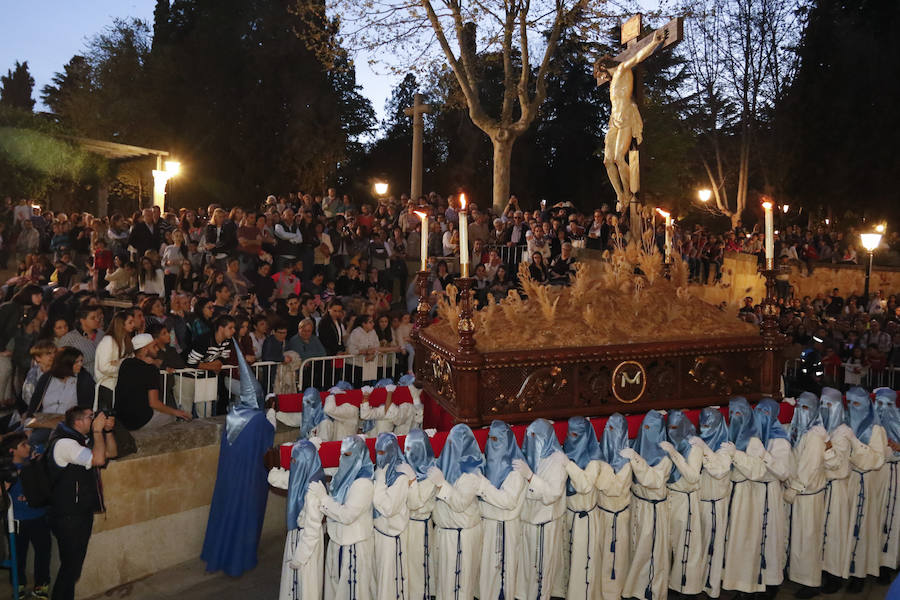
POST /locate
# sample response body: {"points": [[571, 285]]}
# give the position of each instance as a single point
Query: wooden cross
{"points": [[631, 29], [417, 112]]}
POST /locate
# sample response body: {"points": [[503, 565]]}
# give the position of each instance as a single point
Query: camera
{"points": [[109, 412]]}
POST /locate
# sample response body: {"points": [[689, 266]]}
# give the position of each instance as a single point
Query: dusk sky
{"points": [[47, 33]]}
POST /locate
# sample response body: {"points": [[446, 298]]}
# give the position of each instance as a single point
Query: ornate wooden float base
{"points": [[520, 386]]}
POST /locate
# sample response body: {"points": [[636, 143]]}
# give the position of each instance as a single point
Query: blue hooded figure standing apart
{"points": [[239, 499]]}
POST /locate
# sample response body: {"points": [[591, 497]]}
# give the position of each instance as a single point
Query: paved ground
{"points": [[189, 580]]}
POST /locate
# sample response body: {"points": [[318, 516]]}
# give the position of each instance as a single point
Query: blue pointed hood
{"points": [[418, 452], [861, 413], [499, 452], [713, 429], [461, 454], [249, 402], [886, 413], [679, 430], [305, 469], [768, 426], [355, 464], [615, 438], [651, 433], [313, 413], [407, 379], [540, 442], [806, 416], [581, 446], [741, 423], [831, 407], [388, 456]]}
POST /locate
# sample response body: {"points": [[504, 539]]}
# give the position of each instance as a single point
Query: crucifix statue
{"points": [[626, 129], [416, 111]]}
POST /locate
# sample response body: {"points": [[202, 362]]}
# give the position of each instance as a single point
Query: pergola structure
{"points": [[117, 152]]}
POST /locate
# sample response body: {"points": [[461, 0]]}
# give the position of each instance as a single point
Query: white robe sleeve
{"points": [[552, 485], [583, 480], [359, 499], [459, 495], [868, 457], [810, 462], [420, 493], [312, 530], [751, 467], [368, 413], [388, 500], [690, 468], [717, 464], [779, 459], [614, 484], [507, 497], [651, 477], [343, 412], [838, 455]]}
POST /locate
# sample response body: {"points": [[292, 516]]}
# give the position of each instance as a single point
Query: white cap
{"points": [[141, 340]]}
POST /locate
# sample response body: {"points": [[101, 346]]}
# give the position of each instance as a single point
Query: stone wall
{"points": [[157, 504]]}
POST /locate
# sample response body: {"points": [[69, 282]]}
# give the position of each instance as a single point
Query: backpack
{"points": [[37, 481]]}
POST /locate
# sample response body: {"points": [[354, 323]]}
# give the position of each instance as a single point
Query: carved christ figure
{"points": [[625, 120]]}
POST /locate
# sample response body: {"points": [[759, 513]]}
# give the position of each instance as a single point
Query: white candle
{"points": [[668, 222], [463, 237], [770, 235], [424, 246]]}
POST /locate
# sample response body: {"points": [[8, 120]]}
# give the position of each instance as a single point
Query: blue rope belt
{"points": [[612, 544], [860, 513], [351, 567], [828, 495], [502, 526], [765, 535], [687, 539], [582, 514], [426, 561], [728, 527], [456, 585], [712, 539], [540, 561], [399, 591], [295, 583], [648, 591], [889, 509]]}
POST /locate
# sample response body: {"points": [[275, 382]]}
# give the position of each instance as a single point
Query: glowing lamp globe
{"points": [[173, 167], [381, 188], [870, 241], [704, 195]]}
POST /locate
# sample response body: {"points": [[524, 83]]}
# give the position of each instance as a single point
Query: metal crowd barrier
{"points": [[510, 255], [871, 379], [322, 372]]}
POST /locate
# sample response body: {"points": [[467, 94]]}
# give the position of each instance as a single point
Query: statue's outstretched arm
{"points": [[640, 55]]}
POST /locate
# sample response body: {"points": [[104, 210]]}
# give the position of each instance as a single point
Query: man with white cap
{"points": [[138, 401]]}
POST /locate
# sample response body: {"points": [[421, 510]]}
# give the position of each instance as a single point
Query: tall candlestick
{"points": [[770, 235], [668, 246], [424, 247], [463, 238]]}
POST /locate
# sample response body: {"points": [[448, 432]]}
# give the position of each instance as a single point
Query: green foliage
{"points": [[16, 87]]}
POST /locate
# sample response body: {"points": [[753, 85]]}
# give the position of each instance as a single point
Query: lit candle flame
{"points": [[421, 214], [462, 202], [663, 213], [767, 205]]}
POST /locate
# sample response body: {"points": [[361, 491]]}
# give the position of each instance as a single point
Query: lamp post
{"points": [[870, 242]]}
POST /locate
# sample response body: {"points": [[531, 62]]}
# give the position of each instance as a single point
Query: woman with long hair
{"points": [[150, 277], [538, 268], [153, 309], [173, 255], [186, 280], [11, 314], [112, 349], [65, 385]]}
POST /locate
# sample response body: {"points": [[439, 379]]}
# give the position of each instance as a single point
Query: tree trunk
{"points": [[503, 145]]}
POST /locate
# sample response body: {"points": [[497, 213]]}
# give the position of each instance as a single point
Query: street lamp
{"points": [[786, 208], [381, 188], [879, 228], [870, 242], [705, 194]]}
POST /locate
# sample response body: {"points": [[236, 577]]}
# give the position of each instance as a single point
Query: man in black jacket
{"points": [[332, 332], [78, 448], [145, 234]]}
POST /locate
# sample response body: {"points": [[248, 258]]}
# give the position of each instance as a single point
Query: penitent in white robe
{"points": [[391, 545], [541, 556], [582, 531], [890, 551], [836, 526], [686, 573], [408, 415], [350, 557], [715, 489], [305, 545], [384, 417], [345, 418], [501, 536], [745, 521], [457, 521], [421, 558], [650, 550], [324, 431], [864, 541], [779, 463], [807, 512], [614, 502]]}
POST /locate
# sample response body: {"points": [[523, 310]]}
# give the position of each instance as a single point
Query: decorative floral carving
{"points": [[546, 381]]}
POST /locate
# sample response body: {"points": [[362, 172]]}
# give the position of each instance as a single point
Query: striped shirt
{"points": [[205, 350]]}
